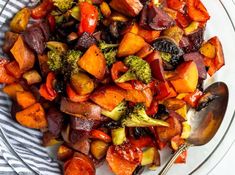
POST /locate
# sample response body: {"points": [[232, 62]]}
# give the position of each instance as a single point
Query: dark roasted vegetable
{"points": [[63, 5], [81, 124], [85, 41], [155, 18], [55, 121]]}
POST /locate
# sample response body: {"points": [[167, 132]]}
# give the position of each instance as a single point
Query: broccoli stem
{"points": [[129, 75]]}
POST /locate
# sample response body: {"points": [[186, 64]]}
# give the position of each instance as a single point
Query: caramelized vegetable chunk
{"points": [[10, 39], [108, 97], [4, 76], [93, 62], [23, 55], [32, 117], [127, 7], [25, 99]]}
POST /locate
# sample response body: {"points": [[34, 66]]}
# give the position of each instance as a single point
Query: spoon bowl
{"points": [[204, 123]]}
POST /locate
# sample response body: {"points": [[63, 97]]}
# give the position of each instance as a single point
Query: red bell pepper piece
{"points": [[153, 108], [89, 18], [73, 96], [197, 11], [160, 144], [44, 93], [192, 98], [118, 68], [177, 5], [142, 142], [182, 20], [182, 157], [100, 135], [51, 21], [42, 9], [49, 84]]}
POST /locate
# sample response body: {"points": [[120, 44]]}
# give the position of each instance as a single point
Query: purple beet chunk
{"points": [[144, 18], [55, 121], [81, 124], [34, 38], [85, 41], [77, 135], [198, 59], [44, 26], [157, 70], [159, 19]]}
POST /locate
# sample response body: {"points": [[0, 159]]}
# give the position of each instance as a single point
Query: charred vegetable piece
{"points": [[42, 9], [20, 20], [130, 44], [63, 5], [138, 70], [175, 33], [205, 100], [93, 61], [105, 9], [166, 133], [23, 55], [32, 117], [32, 77], [25, 99], [99, 149], [139, 118], [117, 112], [174, 103], [118, 164], [83, 110], [81, 124], [127, 7], [198, 59], [55, 121], [85, 41], [108, 97], [82, 84], [165, 44], [118, 136], [79, 164], [155, 18], [10, 39], [12, 89]]}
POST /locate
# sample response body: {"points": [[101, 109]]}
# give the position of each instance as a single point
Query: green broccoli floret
{"points": [[109, 52], [138, 118], [72, 57], [63, 5], [55, 60], [117, 112], [138, 70]]}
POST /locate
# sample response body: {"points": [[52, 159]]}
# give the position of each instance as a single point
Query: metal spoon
{"points": [[204, 123]]}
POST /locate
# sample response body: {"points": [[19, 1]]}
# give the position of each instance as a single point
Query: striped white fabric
{"points": [[20, 150]]}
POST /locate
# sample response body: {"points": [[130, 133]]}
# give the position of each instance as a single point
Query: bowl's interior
{"points": [[220, 25]]}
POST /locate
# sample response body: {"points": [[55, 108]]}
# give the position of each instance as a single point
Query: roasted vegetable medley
{"points": [[109, 80]]}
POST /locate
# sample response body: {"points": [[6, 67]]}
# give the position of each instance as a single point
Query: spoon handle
{"points": [[166, 168]]}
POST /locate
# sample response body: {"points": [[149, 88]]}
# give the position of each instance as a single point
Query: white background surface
{"points": [[226, 165]]}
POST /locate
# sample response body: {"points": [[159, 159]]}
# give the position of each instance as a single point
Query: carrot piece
{"points": [[93, 62], [100, 135], [13, 69], [4, 76], [135, 96], [182, 20], [145, 51], [108, 97], [32, 117], [74, 97], [192, 98], [12, 89], [177, 5], [25, 99], [148, 35], [23, 55], [118, 165]]}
